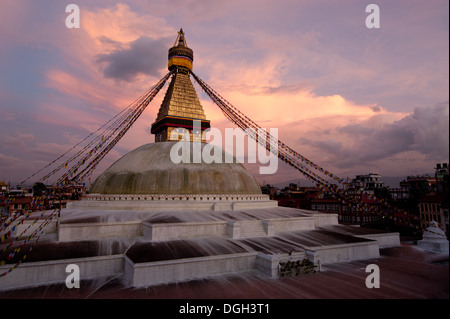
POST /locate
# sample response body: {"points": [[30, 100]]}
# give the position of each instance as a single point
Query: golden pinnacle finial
{"points": [[180, 55], [180, 40]]}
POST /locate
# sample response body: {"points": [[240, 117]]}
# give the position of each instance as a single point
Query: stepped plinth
{"points": [[150, 246]]}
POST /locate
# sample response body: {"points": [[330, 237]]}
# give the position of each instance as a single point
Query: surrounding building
{"points": [[442, 170], [17, 201], [418, 201], [16, 205], [398, 194], [432, 202], [431, 208], [327, 205], [369, 182], [313, 198], [4, 212], [270, 190], [418, 186], [296, 196], [369, 212], [4, 188]]}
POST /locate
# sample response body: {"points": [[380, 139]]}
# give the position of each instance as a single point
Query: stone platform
{"points": [[165, 239], [434, 239]]}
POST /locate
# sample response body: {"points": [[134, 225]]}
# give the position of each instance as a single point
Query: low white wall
{"points": [[88, 231], [54, 271], [223, 206], [160, 205], [233, 229], [292, 224], [248, 228], [170, 271], [255, 204], [169, 231], [175, 197], [49, 229], [176, 202], [343, 252], [325, 219], [384, 239]]}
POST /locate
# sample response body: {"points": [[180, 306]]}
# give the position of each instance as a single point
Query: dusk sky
{"points": [[352, 99]]}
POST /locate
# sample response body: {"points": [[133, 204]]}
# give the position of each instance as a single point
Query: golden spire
{"points": [[181, 106]]}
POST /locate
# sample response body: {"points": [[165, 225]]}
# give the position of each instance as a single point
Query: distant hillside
{"points": [[298, 181], [391, 181]]}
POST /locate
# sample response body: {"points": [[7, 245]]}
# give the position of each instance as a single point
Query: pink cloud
{"points": [[121, 24]]}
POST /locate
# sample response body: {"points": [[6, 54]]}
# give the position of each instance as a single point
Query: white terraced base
{"points": [[282, 234]]}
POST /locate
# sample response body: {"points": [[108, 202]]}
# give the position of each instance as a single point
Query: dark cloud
{"points": [[144, 56], [116, 44], [430, 127], [376, 108], [356, 130], [426, 131]]}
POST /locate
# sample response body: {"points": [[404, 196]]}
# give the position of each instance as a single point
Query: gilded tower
{"points": [[180, 111]]}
